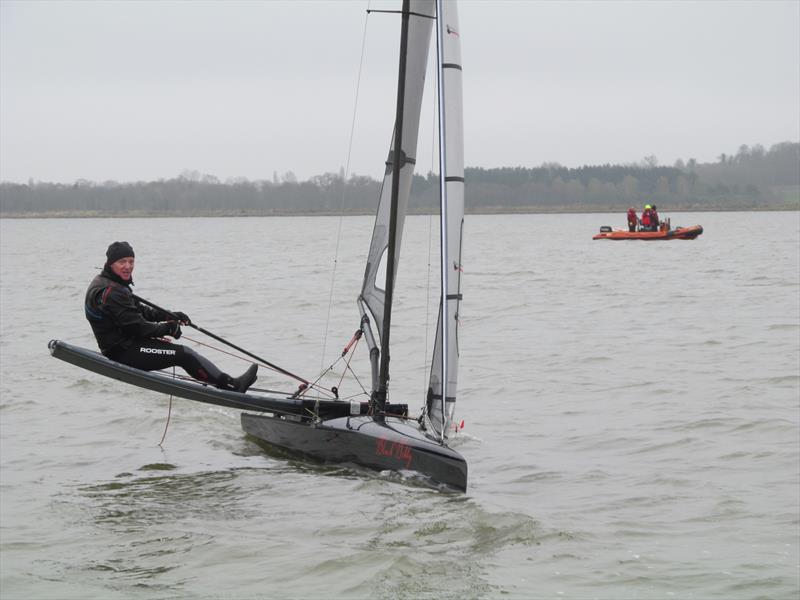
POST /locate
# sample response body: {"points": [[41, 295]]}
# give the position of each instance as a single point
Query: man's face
{"points": [[123, 268]]}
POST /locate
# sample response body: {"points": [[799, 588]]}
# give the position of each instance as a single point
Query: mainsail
{"points": [[444, 368]]}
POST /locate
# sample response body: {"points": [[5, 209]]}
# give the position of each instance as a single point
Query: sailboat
{"points": [[377, 434]]}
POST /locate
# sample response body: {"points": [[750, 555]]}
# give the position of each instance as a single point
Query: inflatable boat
{"points": [[679, 233]]}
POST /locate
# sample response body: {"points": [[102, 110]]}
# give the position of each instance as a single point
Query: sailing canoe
{"points": [[376, 434]]}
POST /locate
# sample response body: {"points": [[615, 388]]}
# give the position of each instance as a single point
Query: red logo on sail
{"points": [[401, 452]]}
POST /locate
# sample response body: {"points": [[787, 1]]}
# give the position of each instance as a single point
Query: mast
{"points": [[397, 164], [442, 197]]}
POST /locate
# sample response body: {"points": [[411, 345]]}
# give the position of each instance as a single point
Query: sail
{"points": [[372, 298], [444, 367]]}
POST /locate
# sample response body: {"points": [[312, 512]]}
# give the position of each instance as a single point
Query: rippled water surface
{"points": [[631, 416]]}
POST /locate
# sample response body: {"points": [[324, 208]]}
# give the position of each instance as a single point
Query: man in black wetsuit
{"points": [[129, 332]]}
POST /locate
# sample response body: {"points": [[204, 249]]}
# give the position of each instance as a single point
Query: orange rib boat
{"points": [[679, 233]]}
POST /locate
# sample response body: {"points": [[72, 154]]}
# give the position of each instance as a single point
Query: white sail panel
{"points": [[372, 297], [440, 409]]}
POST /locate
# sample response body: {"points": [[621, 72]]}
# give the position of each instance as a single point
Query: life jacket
{"points": [[646, 215], [632, 217]]}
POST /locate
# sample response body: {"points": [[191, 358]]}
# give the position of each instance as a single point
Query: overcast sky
{"points": [[132, 91]]}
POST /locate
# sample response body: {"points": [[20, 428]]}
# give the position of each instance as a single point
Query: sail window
{"points": [[380, 274]]}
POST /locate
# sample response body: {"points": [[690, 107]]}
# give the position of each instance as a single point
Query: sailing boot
{"points": [[245, 380]]}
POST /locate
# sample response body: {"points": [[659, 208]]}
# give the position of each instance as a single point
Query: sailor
{"points": [[129, 332], [647, 216], [632, 219], [654, 218]]}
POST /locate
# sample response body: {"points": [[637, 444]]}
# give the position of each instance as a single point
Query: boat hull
{"points": [[681, 233], [392, 444]]}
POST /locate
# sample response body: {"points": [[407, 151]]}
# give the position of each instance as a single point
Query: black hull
{"points": [[394, 445]]}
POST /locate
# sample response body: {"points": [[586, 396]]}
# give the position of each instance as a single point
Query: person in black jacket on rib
{"points": [[129, 332]]}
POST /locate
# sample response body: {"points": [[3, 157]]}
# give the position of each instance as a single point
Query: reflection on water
{"points": [[132, 501]]}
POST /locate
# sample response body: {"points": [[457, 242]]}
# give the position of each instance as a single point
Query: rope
{"points": [[341, 203], [169, 414]]}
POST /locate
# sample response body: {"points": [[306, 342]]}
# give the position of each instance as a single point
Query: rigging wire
{"points": [[344, 180], [347, 368], [347, 364]]}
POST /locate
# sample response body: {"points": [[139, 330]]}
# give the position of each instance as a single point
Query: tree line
{"points": [[751, 178]]}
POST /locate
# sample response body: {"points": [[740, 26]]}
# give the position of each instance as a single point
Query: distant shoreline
{"points": [[227, 214]]}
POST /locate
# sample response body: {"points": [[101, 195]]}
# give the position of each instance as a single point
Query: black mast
{"points": [[398, 161]]}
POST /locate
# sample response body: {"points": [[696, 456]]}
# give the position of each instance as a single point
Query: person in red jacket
{"points": [[654, 218], [633, 220], [647, 216]]}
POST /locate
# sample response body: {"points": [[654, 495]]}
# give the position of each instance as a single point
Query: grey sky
{"points": [[145, 90]]}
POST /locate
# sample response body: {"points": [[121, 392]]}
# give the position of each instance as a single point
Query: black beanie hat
{"points": [[118, 250]]}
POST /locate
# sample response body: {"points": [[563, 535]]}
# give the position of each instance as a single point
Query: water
{"points": [[631, 417]]}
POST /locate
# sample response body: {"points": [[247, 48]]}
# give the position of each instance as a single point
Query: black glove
{"points": [[170, 328], [182, 317]]}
